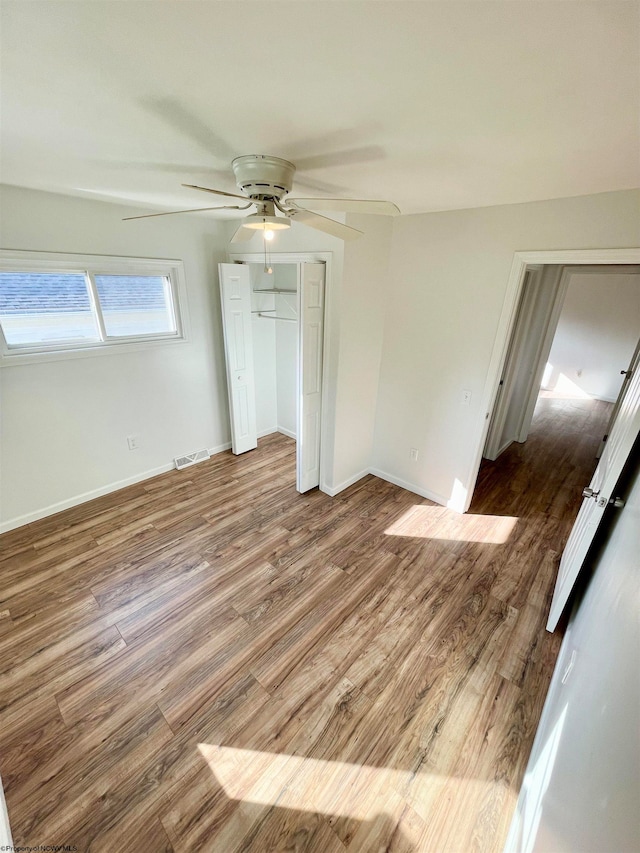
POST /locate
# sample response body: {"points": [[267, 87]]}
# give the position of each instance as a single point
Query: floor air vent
{"points": [[191, 459]]}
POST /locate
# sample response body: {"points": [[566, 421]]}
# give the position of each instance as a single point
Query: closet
{"points": [[274, 324], [273, 332]]}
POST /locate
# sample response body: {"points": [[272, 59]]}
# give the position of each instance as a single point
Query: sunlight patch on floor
{"points": [[307, 784], [358, 792], [436, 522], [561, 386]]}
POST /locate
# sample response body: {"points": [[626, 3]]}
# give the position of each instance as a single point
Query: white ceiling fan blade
{"points": [[180, 118], [243, 234], [322, 223], [191, 210], [216, 192], [347, 205]]}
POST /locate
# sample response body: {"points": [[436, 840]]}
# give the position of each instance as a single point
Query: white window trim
{"points": [[92, 265]]}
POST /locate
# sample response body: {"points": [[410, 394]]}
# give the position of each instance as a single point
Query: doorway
{"points": [[575, 337], [273, 323], [574, 345]]}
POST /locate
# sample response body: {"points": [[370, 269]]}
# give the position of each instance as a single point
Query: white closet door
{"points": [[309, 397], [235, 297], [621, 439]]}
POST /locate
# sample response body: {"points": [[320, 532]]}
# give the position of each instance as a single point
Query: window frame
{"points": [[89, 266]]}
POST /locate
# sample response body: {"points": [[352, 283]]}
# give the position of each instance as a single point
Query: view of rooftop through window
{"points": [[37, 308], [49, 309], [135, 304]]}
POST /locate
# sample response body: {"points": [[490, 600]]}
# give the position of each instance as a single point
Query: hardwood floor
{"points": [[208, 661]]}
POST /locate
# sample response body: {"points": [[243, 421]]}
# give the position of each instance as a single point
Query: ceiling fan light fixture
{"points": [[266, 223]]}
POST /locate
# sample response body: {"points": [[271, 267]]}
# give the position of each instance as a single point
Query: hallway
{"points": [[547, 473]]}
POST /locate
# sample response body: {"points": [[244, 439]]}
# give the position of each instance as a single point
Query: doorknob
{"points": [[617, 502]]}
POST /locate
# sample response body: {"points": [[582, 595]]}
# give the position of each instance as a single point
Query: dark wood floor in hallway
{"points": [[208, 661]]}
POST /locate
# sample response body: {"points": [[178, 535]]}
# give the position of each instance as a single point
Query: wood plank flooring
{"points": [[208, 661]]}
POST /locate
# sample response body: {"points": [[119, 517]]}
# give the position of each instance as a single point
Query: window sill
{"points": [[17, 359]]}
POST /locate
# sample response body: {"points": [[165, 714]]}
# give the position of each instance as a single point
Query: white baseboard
{"points": [[52, 509], [502, 449], [220, 448], [410, 487], [162, 469], [591, 396], [333, 491], [383, 475], [272, 430], [285, 431], [269, 431]]}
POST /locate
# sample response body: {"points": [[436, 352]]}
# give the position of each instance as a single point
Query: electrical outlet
{"points": [[466, 397], [133, 442], [413, 454]]}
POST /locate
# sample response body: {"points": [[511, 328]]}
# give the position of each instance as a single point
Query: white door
{"points": [[623, 434], [235, 297], [536, 320], [309, 397], [634, 365], [499, 437]]}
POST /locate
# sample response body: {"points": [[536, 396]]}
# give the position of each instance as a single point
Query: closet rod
{"points": [[276, 290], [271, 317]]}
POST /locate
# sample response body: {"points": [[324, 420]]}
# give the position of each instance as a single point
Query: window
{"points": [[40, 308], [136, 305], [52, 303]]}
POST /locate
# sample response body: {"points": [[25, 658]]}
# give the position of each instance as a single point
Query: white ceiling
{"points": [[433, 105]]}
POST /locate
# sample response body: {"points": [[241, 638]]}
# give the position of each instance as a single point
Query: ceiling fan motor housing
{"points": [[263, 175]]}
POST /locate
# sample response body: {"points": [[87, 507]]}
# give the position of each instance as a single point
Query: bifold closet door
{"points": [[309, 396], [235, 298]]}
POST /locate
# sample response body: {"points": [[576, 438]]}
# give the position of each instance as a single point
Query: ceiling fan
{"points": [[266, 182]]}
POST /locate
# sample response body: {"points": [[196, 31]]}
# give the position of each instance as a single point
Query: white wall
{"points": [[447, 283], [64, 423], [286, 278], [286, 368], [264, 353], [264, 369], [365, 288], [582, 786], [597, 334]]}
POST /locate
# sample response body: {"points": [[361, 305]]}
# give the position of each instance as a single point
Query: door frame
{"points": [[521, 261], [301, 258], [515, 361]]}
